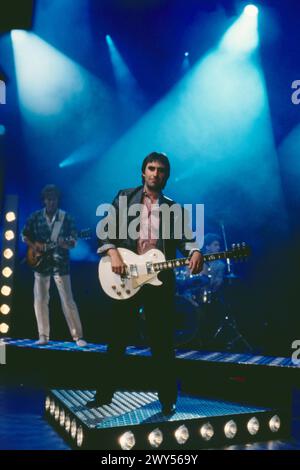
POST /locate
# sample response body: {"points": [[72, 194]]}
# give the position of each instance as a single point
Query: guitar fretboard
{"points": [[178, 262]]}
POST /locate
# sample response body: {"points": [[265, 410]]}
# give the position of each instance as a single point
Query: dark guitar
{"points": [[35, 258]]}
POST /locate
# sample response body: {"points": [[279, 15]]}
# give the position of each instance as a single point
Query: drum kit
{"points": [[203, 315]]}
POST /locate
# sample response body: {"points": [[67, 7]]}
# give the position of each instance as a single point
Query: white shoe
{"points": [[81, 343], [42, 341]]}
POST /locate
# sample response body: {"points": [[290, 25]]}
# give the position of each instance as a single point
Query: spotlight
{"points": [[7, 272], [8, 253], [4, 328], [79, 437], [10, 216], [5, 309], [73, 428], [18, 34], [230, 429], [9, 235], [52, 407], [155, 438], [127, 440], [251, 10], [182, 434], [62, 418], [6, 290], [275, 423], [67, 423], [56, 413], [47, 403], [207, 431], [186, 54], [253, 426]]}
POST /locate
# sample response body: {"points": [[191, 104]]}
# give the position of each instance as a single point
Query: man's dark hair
{"points": [[210, 238], [157, 157], [50, 189]]}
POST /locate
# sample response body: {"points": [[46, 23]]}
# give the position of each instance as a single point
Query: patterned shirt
{"points": [[37, 229]]}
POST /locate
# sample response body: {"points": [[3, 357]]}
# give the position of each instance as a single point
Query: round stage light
{"points": [[67, 423], [9, 235], [253, 426], [10, 216], [56, 413], [4, 328], [127, 440], [275, 423], [251, 10], [4, 309], [155, 438], [230, 429], [79, 437], [52, 407], [6, 291], [182, 434], [207, 431], [186, 54], [47, 403], [62, 418], [73, 428], [8, 253], [7, 271]]}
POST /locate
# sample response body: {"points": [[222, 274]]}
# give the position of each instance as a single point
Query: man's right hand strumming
{"points": [[39, 247], [117, 264]]}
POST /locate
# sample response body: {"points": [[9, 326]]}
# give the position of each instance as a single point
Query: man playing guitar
{"points": [[158, 302], [52, 227]]}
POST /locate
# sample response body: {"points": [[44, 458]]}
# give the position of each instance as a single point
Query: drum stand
{"points": [[229, 323]]}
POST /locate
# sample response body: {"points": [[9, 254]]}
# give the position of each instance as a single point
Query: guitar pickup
{"points": [[133, 270], [150, 268]]}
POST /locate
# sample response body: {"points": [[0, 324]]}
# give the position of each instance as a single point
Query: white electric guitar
{"points": [[143, 269]]}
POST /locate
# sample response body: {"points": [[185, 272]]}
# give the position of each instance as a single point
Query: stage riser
{"points": [[103, 439], [76, 370]]}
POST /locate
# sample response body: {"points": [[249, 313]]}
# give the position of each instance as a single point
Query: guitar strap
{"points": [[57, 226]]}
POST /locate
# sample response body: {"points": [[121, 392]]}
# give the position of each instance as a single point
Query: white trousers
{"points": [[41, 304]]}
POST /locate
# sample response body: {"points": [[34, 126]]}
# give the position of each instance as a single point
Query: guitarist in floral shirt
{"points": [[53, 227]]}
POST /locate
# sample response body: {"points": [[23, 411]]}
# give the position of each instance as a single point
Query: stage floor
{"points": [[187, 355]]}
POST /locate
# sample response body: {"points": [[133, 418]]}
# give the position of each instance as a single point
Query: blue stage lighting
{"points": [[251, 10], [242, 37]]}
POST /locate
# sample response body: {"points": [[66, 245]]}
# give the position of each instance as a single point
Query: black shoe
{"points": [[98, 401], [168, 408]]}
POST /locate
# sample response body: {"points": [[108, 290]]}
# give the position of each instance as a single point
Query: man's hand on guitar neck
{"points": [[196, 263], [117, 264]]}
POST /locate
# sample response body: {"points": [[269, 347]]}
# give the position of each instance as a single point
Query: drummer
{"points": [[215, 270], [201, 286]]}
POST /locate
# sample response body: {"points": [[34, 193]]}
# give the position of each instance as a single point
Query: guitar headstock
{"points": [[240, 251]]}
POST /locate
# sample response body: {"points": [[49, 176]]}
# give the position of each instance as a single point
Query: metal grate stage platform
{"points": [[134, 421]]}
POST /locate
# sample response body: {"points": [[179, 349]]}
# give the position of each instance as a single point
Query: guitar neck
{"points": [[178, 262], [83, 234]]}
